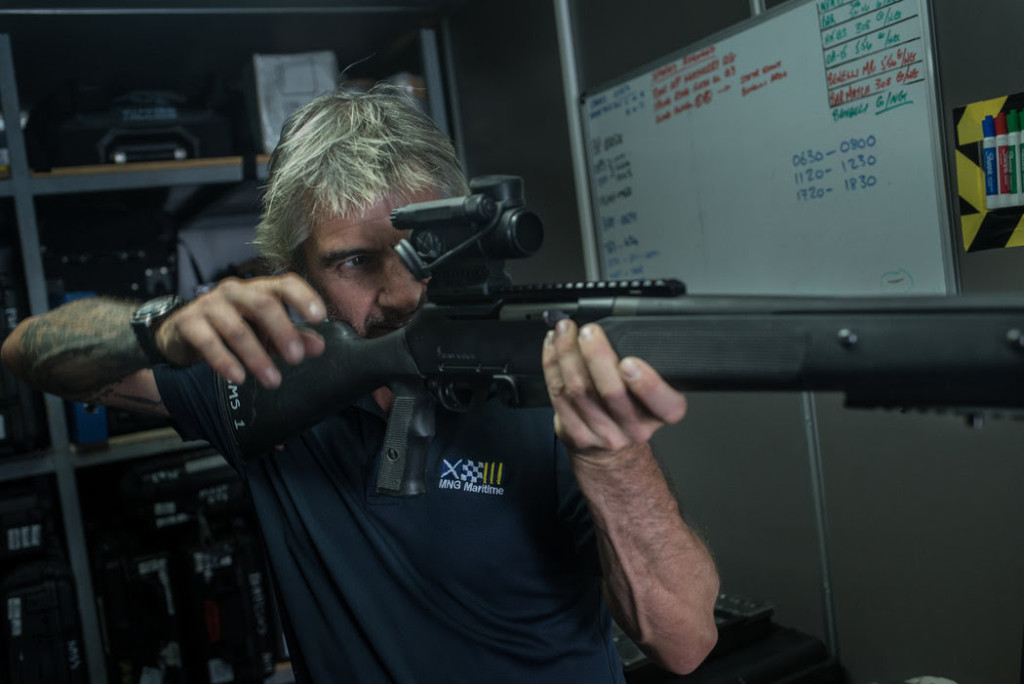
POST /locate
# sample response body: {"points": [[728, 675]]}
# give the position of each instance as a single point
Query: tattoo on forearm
{"points": [[107, 395], [79, 351]]}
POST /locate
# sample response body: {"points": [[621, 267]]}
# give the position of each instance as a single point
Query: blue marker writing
{"points": [[989, 163]]}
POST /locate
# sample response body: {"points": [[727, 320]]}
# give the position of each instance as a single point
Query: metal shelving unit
{"points": [[137, 175], [130, 447], [25, 465], [62, 460]]}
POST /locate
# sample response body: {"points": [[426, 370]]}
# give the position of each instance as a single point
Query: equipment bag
{"points": [[232, 624], [137, 601], [42, 633]]}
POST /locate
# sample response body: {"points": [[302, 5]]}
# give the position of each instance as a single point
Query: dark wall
{"points": [[510, 101], [611, 42]]}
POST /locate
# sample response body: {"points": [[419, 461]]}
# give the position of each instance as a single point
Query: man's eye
{"points": [[353, 262]]}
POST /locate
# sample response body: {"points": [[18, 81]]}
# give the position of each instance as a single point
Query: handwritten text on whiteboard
{"points": [[852, 165], [873, 54]]}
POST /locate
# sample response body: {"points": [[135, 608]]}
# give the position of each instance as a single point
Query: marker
{"points": [[1003, 160], [1020, 160], [989, 164], [1013, 138]]}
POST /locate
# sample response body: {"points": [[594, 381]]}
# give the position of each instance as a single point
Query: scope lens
{"points": [[521, 233]]}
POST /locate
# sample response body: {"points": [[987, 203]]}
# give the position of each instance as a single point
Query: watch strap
{"points": [[145, 321]]}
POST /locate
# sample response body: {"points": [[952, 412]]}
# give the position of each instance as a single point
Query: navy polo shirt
{"points": [[491, 576]]}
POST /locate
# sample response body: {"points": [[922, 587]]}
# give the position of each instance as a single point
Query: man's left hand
{"points": [[603, 405]]}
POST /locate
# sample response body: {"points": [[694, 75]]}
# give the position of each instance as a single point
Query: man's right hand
{"points": [[237, 325]]}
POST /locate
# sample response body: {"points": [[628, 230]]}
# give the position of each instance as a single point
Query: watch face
{"points": [[155, 308]]}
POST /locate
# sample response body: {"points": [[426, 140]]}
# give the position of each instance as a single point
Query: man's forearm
{"points": [[76, 350], [660, 580]]}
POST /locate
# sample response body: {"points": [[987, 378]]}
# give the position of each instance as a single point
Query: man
{"points": [[453, 585]]}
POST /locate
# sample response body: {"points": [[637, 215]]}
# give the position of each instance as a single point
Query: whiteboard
{"points": [[799, 153]]}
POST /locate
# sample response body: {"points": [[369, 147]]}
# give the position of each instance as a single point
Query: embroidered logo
{"points": [[474, 477]]}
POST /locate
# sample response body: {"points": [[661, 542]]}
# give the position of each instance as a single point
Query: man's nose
{"points": [[400, 290]]}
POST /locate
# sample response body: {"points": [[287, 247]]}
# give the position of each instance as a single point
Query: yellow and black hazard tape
{"points": [[983, 228]]}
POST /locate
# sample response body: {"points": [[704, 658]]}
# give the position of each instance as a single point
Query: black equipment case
{"points": [[42, 632]]}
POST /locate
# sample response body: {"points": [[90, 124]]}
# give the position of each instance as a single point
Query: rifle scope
{"points": [[489, 226]]}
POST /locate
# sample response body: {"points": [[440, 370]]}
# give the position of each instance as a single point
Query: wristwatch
{"points": [[147, 318]]}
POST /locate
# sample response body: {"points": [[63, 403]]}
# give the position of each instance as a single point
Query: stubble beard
{"points": [[374, 326], [377, 326]]}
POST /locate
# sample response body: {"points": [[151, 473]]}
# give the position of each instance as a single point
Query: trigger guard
{"points": [[453, 396]]}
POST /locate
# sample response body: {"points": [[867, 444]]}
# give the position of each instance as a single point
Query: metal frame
{"points": [[62, 468], [571, 87], [121, 11], [942, 175]]}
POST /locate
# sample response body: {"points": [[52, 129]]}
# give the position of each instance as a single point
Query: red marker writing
{"points": [[1003, 160]]}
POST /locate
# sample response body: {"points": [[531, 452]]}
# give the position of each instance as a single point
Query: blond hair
{"points": [[341, 154]]}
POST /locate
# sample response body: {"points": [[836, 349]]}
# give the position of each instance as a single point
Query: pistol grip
{"points": [[403, 459]]}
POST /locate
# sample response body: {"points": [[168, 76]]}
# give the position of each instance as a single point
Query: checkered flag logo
{"points": [[473, 472]]}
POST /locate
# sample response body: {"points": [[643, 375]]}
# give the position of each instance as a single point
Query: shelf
{"points": [[20, 466], [262, 166], [132, 446], [117, 449], [136, 175]]}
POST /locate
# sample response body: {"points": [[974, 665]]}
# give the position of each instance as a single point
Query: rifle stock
{"points": [[258, 419], [911, 352]]}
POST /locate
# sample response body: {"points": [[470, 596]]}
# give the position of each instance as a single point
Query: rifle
{"points": [[480, 337]]}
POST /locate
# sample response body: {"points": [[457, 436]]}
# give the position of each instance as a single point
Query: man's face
{"points": [[353, 264]]}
